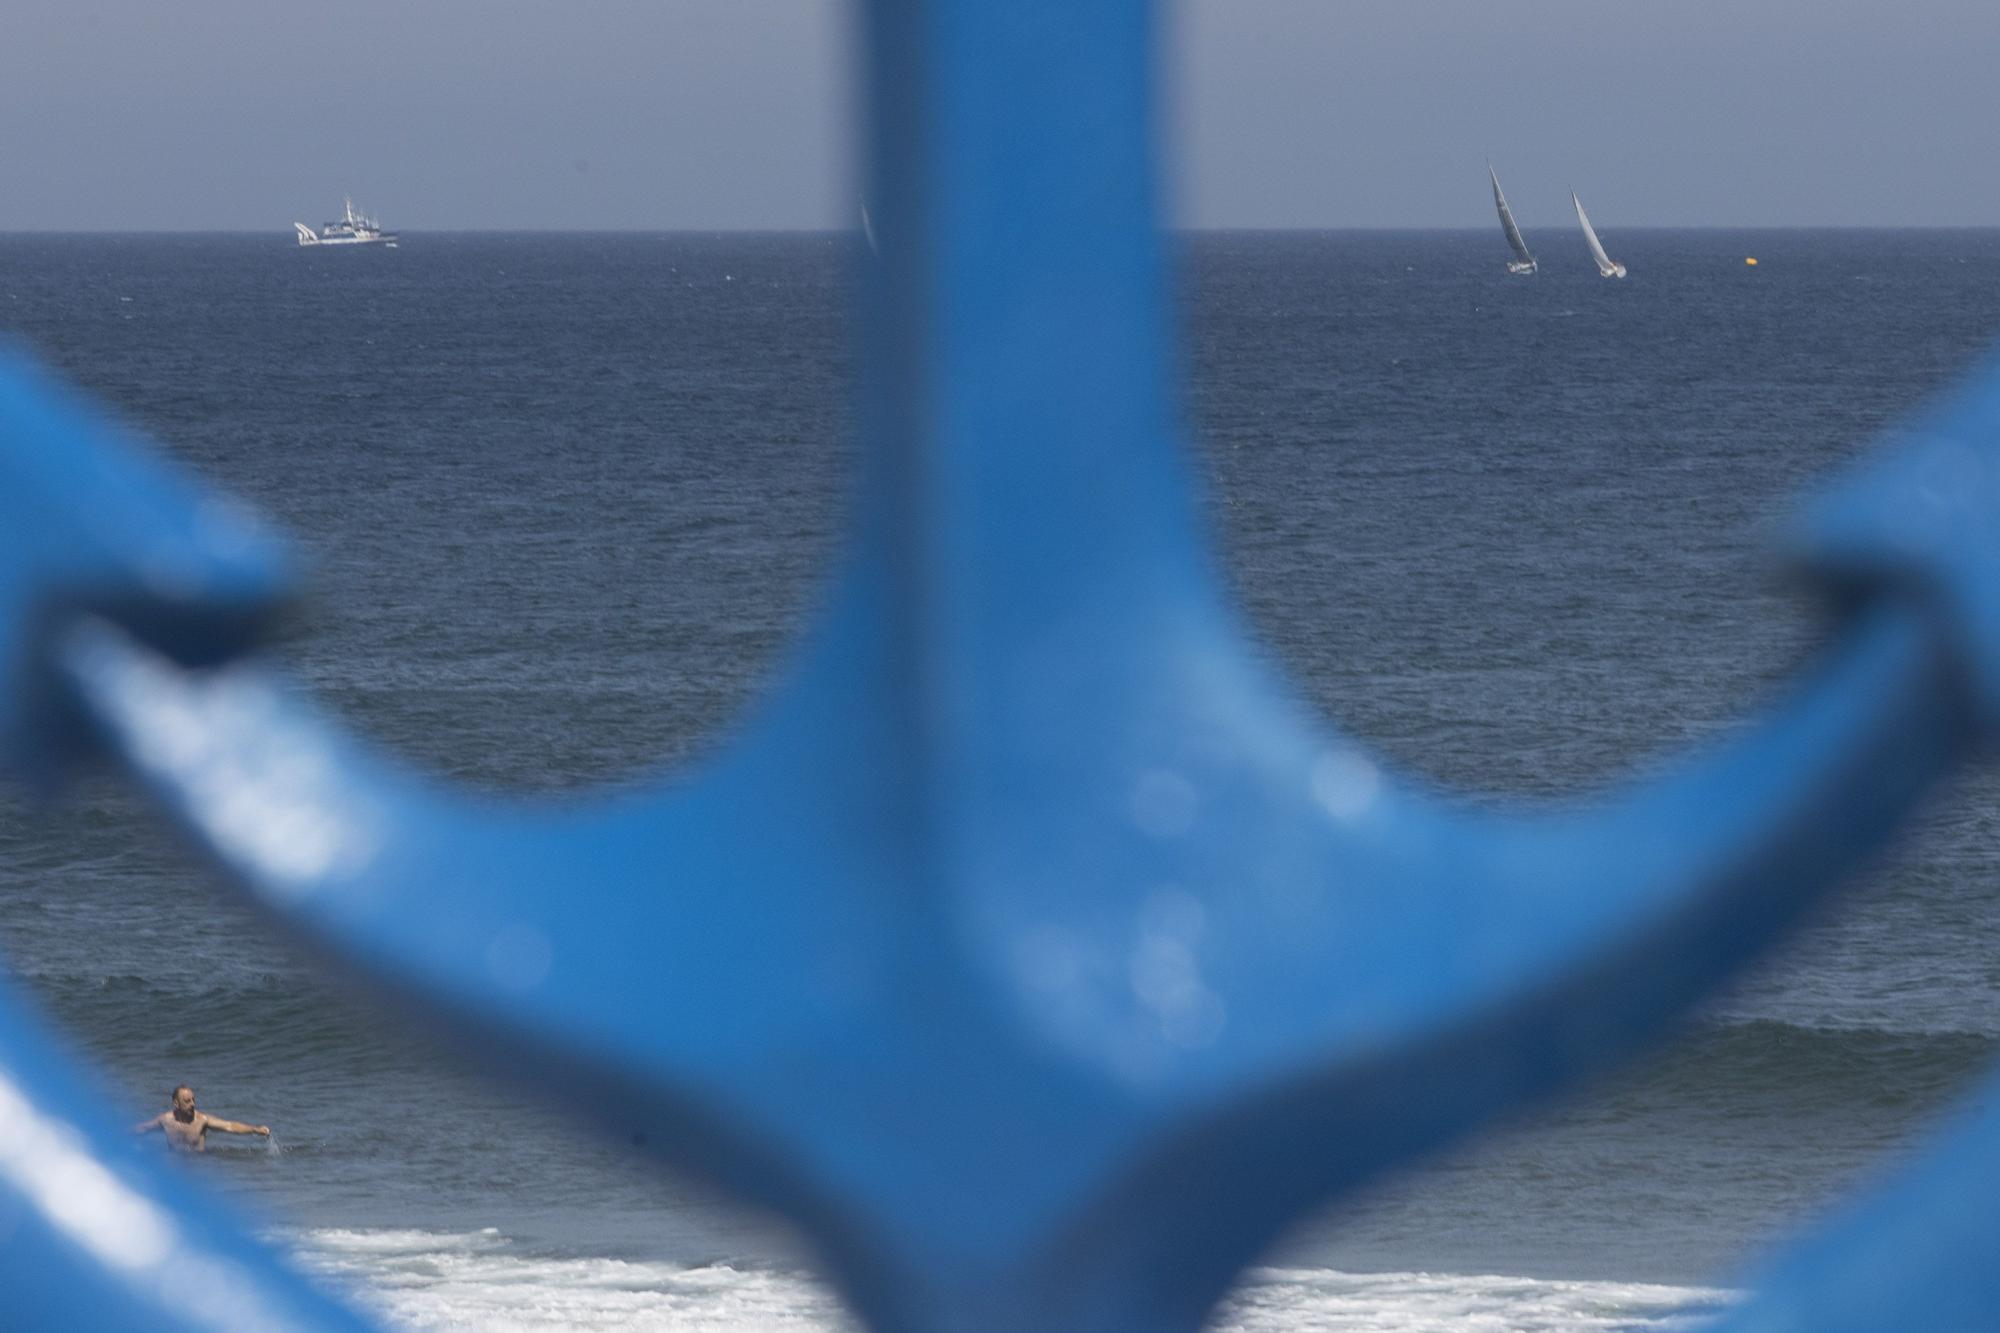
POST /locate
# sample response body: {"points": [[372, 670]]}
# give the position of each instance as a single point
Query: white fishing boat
{"points": [[353, 228], [1523, 262], [1606, 268]]}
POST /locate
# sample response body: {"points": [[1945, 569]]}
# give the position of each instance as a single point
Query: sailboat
{"points": [[1523, 262], [1605, 267]]}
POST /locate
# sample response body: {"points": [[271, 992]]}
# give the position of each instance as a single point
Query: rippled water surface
{"points": [[567, 500]]}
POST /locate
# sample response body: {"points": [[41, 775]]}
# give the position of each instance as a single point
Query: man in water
{"points": [[187, 1129]]}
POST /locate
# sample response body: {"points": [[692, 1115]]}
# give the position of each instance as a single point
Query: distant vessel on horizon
{"points": [[1523, 262], [1606, 267], [352, 229]]}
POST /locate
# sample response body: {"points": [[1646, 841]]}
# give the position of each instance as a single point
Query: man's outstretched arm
{"points": [[145, 1125], [236, 1126]]}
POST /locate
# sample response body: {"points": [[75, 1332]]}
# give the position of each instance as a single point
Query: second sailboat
{"points": [[1606, 266]]}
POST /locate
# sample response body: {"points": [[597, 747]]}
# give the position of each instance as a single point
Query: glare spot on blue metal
{"points": [[1346, 783], [519, 957], [254, 778]]}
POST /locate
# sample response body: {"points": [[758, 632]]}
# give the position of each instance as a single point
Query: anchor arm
{"points": [[91, 524]]}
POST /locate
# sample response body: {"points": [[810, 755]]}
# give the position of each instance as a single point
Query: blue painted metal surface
{"points": [[1034, 950]]}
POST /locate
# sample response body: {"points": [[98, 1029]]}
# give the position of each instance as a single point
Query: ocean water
{"points": [[566, 500]]}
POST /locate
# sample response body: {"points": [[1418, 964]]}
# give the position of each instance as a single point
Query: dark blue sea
{"points": [[567, 498]]}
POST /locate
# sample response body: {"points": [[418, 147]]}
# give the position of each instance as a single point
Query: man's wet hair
{"points": [[179, 1088]]}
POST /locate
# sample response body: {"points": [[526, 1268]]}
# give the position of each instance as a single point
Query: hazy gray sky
{"points": [[735, 113]]}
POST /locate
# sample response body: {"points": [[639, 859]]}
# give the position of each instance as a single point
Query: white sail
{"points": [[1606, 268], [1523, 261]]}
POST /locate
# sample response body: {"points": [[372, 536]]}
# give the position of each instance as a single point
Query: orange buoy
{"points": [[1750, 261]]}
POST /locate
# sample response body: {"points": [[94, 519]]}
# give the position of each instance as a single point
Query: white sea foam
{"points": [[423, 1280], [480, 1281], [1273, 1299]]}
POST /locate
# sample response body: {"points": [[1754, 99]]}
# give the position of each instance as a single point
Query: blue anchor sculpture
{"points": [[1034, 949]]}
